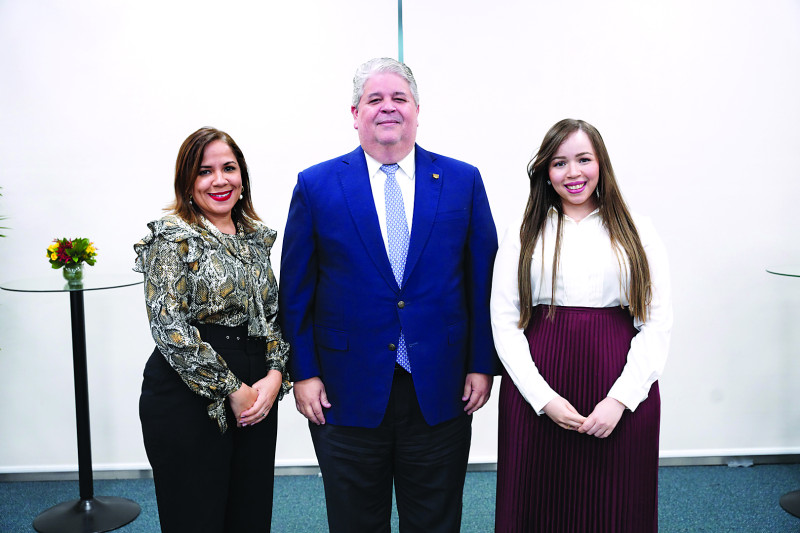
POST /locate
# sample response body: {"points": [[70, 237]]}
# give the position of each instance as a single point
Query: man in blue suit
{"points": [[385, 281]]}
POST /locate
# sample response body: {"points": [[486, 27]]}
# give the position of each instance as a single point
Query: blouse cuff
{"points": [[230, 384], [535, 390], [542, 401], [216, 411], [286, 384], [630, 399]]}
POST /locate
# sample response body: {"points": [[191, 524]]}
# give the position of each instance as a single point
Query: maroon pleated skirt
{"points": [[551, 479]]}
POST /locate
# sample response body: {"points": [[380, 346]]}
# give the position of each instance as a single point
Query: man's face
{"points": [[386, 116]]}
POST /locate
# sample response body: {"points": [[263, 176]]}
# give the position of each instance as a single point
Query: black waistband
{"points": [[217, 335]]}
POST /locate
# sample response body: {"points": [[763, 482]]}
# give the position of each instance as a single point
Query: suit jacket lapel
{"points": [[354, 180], [427, 186]]}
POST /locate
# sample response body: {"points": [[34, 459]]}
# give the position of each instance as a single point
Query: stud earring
{"points": [[548, 182], [241, 195], [190, 200]]}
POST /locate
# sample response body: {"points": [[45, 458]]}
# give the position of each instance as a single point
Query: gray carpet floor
{"points": [[691, 499]]}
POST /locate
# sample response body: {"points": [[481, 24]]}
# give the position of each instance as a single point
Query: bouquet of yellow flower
{"points": [[71, 251]]}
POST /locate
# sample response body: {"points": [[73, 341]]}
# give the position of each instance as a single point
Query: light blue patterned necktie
{"points": [[397, 235]]}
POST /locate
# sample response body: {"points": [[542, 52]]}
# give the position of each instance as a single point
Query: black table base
{"points": [[93, 515], [87, 514], [791, 502]]}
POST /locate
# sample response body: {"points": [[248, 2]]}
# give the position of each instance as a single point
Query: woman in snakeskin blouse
{"points": [[211, 387]]}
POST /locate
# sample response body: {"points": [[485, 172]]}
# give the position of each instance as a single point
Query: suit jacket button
{"points": [[392, 347], [401, 304]]}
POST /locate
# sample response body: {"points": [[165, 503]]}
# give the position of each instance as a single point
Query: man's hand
{"points": [[477, 389], [310, 399]]}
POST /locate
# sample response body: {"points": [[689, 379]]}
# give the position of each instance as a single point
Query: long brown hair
{"points": [[187, 168], [613, 212]]}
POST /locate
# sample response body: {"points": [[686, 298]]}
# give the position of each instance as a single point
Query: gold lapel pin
{"points": [[436, 176]]}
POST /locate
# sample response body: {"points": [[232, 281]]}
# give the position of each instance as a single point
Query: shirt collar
{"points": [[553, 212], [407, 165]]}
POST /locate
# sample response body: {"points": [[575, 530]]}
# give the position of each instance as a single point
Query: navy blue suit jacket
{"points": [[341, 307]]}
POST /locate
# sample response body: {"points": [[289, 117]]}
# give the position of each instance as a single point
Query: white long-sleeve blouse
{"points": [[589, 275]]}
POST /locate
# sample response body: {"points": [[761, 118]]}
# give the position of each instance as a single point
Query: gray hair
{"points": [[379, 65]]}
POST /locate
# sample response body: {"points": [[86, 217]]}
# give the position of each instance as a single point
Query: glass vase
{"points": [[73, 273]]}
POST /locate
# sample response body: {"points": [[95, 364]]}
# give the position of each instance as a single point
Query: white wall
{"points": [[697, 101]]}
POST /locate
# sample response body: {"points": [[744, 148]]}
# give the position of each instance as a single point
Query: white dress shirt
{"points": [[588, 276], [405, 179]]}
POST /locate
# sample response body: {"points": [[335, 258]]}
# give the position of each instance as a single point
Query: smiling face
{"points": [[218, 185], [386, 117], [574, 174]]}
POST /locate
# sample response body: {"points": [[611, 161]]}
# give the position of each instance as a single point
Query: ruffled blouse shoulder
{"points": [[262, 235], [170, 229]]}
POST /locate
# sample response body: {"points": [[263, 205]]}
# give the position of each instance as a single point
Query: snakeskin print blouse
{"points": [[197, 274]]}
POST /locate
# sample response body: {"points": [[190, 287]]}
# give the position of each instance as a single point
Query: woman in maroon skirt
{"points": [[581, 315]]}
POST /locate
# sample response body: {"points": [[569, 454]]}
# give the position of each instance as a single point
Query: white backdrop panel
{"points": [[697, 102]]}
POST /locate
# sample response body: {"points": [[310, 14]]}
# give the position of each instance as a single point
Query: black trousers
{"points": [[426, 464], [207, 481]]}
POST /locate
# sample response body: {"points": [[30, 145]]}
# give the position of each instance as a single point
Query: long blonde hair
{"points": [[613, 212]]}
